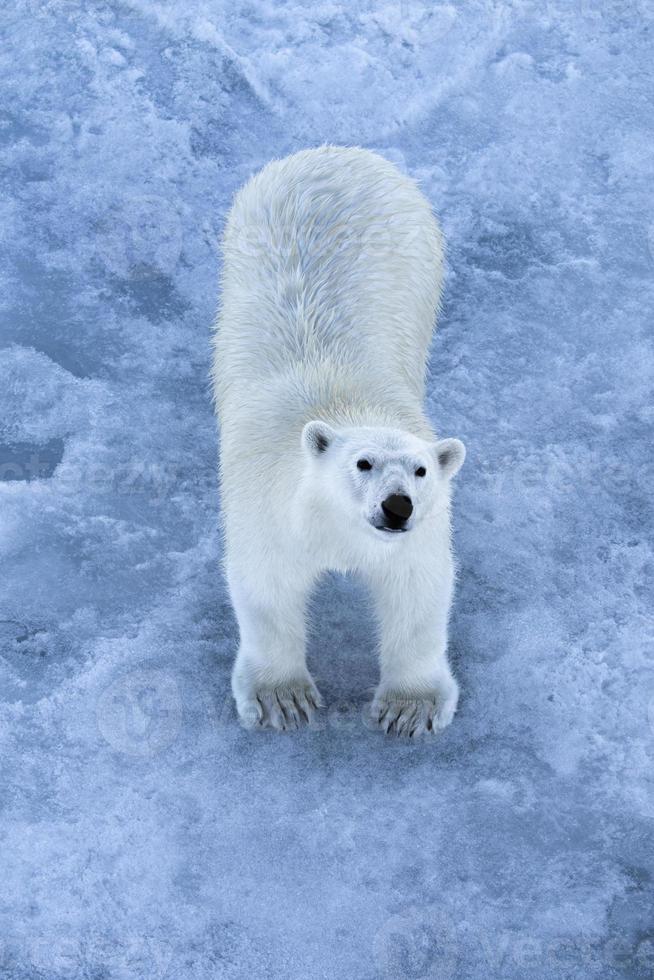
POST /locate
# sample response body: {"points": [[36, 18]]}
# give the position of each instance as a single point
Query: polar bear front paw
{"points": [[399, 712], [283, 707]]}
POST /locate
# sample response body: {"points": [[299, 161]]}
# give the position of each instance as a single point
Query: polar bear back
{"points": [[332, 259]]}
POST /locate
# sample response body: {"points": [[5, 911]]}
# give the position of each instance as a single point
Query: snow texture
{"points": [[144, 834]]}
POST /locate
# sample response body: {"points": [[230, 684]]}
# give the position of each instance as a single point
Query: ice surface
{"points": [[144, 834]]}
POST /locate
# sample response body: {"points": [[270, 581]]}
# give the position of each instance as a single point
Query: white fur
{"points": [[331, 283]]}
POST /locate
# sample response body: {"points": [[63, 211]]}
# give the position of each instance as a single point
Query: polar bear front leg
{"points": [[270, 680], [417, 692]]}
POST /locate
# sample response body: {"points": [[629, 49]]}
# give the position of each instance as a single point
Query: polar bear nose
{"points": [[397, 509]]}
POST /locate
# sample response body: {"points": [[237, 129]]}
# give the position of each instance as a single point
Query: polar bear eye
{"points": [[421, 471], [364, 464]]}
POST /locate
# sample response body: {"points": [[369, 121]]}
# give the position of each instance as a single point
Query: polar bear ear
{"points": [[317, 437], [450, 454]]}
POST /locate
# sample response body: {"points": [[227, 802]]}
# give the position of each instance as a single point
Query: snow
{"points": [[144, 834]]}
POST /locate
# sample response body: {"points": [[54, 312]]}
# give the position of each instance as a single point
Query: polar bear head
{"points": [[389, 480]]}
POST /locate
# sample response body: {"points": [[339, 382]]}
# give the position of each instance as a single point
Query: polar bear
{"points": [[330, 287]]}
